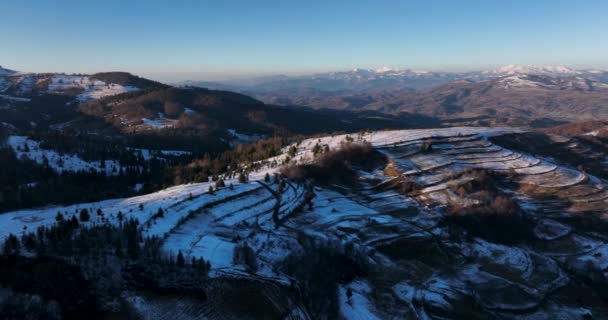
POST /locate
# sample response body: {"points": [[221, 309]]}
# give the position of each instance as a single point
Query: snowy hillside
{"points": [[92, 89], [30, 149], [25, 147], [83, 87], [524, 81], [533, 69], [394, 221]]}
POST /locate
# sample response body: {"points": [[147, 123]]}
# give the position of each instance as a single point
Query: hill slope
{"points": [[438, 223], [213, 111]]}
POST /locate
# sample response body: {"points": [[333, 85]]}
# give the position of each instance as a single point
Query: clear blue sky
{"points": [[229, 38]]}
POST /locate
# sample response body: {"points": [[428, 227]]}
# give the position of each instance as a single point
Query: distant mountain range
{"points": [[388, 78], [518, 95]]}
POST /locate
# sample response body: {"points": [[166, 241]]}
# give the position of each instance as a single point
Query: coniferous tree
{"points": [[292, 151], [11, 244], [84, 215], [74, 222], [180, 259]]}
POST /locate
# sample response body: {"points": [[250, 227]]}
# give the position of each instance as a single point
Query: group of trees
{"points": [[25, 183], [336, 166], [235, 162], [109, 258]]}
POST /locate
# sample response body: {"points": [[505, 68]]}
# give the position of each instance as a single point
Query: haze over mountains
{"points": [[524, 94], [386, 78]]}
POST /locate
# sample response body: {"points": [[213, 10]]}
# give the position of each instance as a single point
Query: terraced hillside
{"points": [[448, 225]]}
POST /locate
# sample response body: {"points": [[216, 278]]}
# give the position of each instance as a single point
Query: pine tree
{"points": [[84, 215], [74, 222], [242, 178], [160, 213], [28, 241], [180, 259], [59, 217], [266, 177], [220, 184], [11, 245], [210, 190], [292, 151]]}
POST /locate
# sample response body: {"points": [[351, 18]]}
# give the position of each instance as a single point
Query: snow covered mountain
{"points": [[388, 78], [533, 69]]}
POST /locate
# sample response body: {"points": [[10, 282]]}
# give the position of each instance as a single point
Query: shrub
{"points": [[244, 255], [498, 220]]}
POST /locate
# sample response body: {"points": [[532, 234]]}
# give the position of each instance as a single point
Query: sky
{"points": [[223, 39]]}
